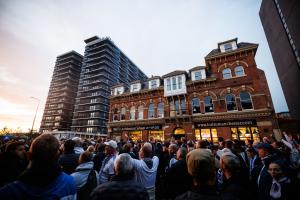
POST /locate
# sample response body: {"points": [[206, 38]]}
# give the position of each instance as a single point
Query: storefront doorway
{"points": [[156, 135], [179, 133], [209, 134]]}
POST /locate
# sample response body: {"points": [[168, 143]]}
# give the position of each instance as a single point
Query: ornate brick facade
{"points": [[230, 99]]}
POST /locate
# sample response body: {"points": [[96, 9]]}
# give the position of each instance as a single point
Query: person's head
{"points": [[251, 152], [123, 165], [44, 149], [110, 147], [266, 140], [85, 156], [229, 164], [201, 166], [181, 153], [203, 144], [264, 149], [228, 144], [91, 149], [127, 148], [78, 142], [276, 169], [69, 147], [16, 148], [173, 149], [146, 151]]}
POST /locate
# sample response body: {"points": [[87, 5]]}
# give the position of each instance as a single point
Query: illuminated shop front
{"points": [[209, 134], [178, 133], [245, 133], [157, 135], [242, 130], [135, 135]]}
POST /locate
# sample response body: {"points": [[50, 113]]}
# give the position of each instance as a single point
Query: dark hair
{"points": [[126, 148], [44, 149], [69, 147], [11, 147], [84, 157]]}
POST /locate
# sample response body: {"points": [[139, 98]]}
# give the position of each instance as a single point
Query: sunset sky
{"points": [[158, 36]]}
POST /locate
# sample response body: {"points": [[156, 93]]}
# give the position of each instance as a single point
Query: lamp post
{"points": [[35, 112]]}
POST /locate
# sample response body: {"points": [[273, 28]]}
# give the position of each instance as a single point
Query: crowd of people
{"points": [[48, 168]]}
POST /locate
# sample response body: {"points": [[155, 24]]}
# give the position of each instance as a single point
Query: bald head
{"points": [[146, 150]]}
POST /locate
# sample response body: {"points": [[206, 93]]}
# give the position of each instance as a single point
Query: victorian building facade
{"points": [[228, 97]]}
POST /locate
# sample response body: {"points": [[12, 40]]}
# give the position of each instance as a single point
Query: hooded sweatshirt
{"points": [[82, 172]]}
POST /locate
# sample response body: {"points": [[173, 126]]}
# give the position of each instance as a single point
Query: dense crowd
{"points": [[48, 168]]}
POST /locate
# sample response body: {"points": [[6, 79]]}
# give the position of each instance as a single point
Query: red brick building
{"points": [[229, 97]]}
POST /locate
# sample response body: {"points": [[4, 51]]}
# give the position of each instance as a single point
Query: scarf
{"points": [[275, 191]]}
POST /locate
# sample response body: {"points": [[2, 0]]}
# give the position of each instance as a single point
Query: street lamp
{"points": [[35, 112]]}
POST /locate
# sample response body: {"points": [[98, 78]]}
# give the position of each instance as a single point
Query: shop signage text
{"points": [[229, 123], [137, 128]]}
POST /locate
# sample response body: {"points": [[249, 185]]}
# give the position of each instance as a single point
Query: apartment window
{"points": [[90, 122], [182, 107], [89, 130], [93, 100], [92, 107], [134, 88], [172, 109], [239, 71], [153, 84], [230, 102], [195, 106], [85, 88], [228, 47], [160, 110], [92, 114], [226, 73], [168, 84], [57, 118], [174, 83], [177, 107], [151, 111], [209, 106], [141, 112], [56, 124], [198, 75], [132, 113], [179, 82], [116, 117], [123, 113], [246, 101]]}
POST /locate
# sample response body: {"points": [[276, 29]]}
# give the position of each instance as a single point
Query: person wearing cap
{"points": [[264, 179], [78, 145], [107, 168], [201, 166]]}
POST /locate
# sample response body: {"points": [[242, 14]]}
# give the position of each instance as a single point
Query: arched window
{"points": [[230, 102], [132, 113], [123, 113], [209, 106], [141, 112], [246, 101], [226, 73], [115, 115], [172, 109], [160, 110], [195, 105], [151, 111], [182, 107], [239, 71]]}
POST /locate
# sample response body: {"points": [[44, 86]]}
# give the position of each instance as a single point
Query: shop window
{"points": [[141, 112], [160, 110], [246, 101], [239, 71], [179, 131], [226, 73], [209, 106], [245, 133], [156, 135], [135, 135], [209, 134], [116, 117], [123, 113], [132, 113], [230, 102], [195, 106], [151, 111]]}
